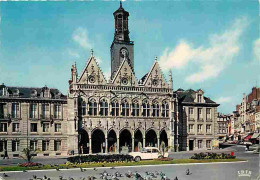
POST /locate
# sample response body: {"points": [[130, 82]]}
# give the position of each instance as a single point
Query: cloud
{"points": [[223, 100], [211, 60], [80, 36], [107, 75], [73, 53], [98, 60], [256, 49]]}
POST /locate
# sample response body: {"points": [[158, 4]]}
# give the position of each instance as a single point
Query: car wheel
{"points": [[137, 158]]}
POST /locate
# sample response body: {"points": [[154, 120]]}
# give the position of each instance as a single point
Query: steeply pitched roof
{"points": [[190, 95], [27, 92]]}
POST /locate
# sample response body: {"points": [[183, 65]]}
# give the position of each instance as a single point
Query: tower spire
{"points": [[170, 79], [120, 4]]}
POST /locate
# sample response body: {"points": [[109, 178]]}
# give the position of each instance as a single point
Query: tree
{"points": [[28, 154]]}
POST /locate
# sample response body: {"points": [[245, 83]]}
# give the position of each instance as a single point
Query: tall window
{"points": [[135, 108], [33, 110], [125, 108], [83, 108], [3, 145], [199, 128], [208, 128], [15, 127], [33, 127], [191, 114], [165, 109], [92, 107], [156, 109], [115, 108], [33, 145], [45, 109], [199, 144], [57, 145], [146, 108], [1, 111], [200, 113], [103, 108], [45, 127], [45, 145], [57, 111], [208, 113], [3, 127], [15, 110], [208, 143], [15, 145], [57, 127], [191, 130]]}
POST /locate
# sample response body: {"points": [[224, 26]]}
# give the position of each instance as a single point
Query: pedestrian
{"points": [[5, 154], [247, 147]]}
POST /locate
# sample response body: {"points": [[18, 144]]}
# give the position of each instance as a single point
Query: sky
{"points": [[212, 45]]}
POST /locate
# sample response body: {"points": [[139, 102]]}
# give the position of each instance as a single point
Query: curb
{"points": [[181, 164]]}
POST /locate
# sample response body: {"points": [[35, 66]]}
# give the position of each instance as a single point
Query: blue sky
{"points": [[212, 45]]}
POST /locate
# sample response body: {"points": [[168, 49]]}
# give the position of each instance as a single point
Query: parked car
{"points": [[147, 153], [254, 147]]}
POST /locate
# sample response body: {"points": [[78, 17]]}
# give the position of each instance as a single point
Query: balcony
{"points": [[5, 117], [208, 120], [200, 120]]}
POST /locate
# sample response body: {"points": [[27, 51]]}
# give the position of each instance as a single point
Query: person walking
{"points": [[5, 154]]}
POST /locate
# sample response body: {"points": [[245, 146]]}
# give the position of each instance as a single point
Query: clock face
{"points": [[124, 52]]}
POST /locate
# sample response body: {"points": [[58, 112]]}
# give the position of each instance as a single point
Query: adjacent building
{"points": [[247, 112], [33, 117], [197, 120]]}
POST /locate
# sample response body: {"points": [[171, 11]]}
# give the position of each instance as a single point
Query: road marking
{"points": [[182, 164]]}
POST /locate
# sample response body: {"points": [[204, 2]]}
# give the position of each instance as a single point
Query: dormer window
{"points": [[199, 98], [3, 92], [16, 92], [46, 93], [34, 93]]}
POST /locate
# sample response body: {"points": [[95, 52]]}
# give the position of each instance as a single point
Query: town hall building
{"points": [[116, 115]]}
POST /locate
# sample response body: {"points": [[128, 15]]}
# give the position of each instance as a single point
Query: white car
{"points": [[147, 153]]}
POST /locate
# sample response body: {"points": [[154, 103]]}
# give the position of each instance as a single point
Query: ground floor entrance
{"points": [[112, 141]]}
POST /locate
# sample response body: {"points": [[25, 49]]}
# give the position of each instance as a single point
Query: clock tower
{"points": [[121, 48]]}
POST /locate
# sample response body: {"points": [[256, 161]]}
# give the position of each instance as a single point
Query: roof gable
{"points": [[92, 73], [124, 75], [155, 77]]}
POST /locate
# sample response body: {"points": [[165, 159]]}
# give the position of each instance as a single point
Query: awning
{"points": [[255, 135], [247, 138]]}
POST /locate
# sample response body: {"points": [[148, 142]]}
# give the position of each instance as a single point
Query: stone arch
{"points": [[156, 100], [111, 140], [136, 99], [163, 139], [151, 138], [126, 99], [83, 141], [93, 98], [138, 140], [97, 140], [125, 140], [103, 98]]}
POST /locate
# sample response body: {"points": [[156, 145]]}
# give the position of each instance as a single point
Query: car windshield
{"points": [[155, 151], [144, 150]]}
